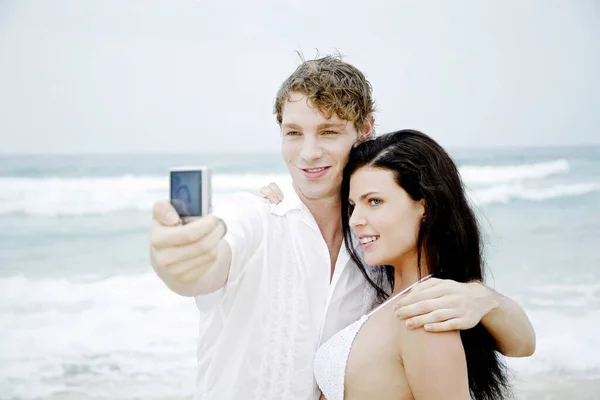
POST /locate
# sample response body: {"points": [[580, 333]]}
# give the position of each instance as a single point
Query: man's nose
{"points": [[311, 149]]}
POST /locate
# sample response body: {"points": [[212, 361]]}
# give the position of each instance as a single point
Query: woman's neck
{"points": [[407, 272]]}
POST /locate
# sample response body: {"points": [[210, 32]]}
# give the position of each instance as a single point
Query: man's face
{"points": [[314, 148]]}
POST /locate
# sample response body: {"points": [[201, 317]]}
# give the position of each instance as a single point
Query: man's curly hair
{"points": [[333, 86]]}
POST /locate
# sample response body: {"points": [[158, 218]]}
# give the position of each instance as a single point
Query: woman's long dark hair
{"points": [[448, 237]]}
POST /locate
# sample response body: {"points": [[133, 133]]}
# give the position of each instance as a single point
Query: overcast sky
{"points": [[194, 76]]}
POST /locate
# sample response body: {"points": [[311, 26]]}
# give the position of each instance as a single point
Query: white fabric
{"points": [[332, 357], [258, 334]]}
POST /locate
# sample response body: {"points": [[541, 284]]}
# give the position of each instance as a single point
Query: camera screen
{"points": [[186, 192]]}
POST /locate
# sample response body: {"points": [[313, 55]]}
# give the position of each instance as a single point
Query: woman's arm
{"points": [[435, 365]]}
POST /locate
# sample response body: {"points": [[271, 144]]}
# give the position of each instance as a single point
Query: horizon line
{"points": [[234, 152]]}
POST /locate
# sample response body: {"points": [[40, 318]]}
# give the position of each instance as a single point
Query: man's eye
{"points": [[331, 133], [374, 202], [292, 133]]}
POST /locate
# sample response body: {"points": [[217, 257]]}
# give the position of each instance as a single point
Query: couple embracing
{"points": [[363, 279]]}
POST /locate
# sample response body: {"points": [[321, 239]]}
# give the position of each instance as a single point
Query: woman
{"points": [[404, 200]]}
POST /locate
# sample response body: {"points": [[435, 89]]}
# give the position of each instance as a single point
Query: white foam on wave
{"points": [[565, 342], [506, 193], [74, 196], [102, 195], [137, 313], [494, 174], [105, 315], [86, 332], [79, 196], [566, 296], [65, 333]]}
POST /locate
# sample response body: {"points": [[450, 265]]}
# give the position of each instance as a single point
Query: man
{"points": [[280, 281]]}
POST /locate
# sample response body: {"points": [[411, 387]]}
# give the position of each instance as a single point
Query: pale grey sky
{"points": [[196, 76]]}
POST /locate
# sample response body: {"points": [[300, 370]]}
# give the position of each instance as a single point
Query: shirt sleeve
{"points": [[244, 215]]}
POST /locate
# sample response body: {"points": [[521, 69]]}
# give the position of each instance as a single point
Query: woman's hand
{"points": [[271, 193]]}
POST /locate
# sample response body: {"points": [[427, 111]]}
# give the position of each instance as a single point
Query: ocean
{"points": [[82, 315]]}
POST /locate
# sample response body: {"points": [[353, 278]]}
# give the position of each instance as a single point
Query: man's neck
{"points": [[327, 215]]}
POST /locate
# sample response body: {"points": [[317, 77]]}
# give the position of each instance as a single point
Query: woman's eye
{"points": [[374, 202], [330, 133]]}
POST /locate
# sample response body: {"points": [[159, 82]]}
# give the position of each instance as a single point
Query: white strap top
{"points": [[332, 357]]}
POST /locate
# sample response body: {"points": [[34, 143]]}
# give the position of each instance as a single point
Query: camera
{"points": [[191, 191]]}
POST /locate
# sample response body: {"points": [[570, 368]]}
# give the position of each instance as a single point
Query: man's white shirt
{"points": [[259, 333]]}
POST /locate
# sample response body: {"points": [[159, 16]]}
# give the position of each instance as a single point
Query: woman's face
{"points": [[385, 218]]}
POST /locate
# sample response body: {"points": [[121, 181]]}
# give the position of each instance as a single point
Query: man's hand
{"points": [[181, 254], [441, 305], [271, 193]]}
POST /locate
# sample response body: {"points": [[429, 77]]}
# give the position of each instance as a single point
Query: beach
{"points": [[83, 316], [543, 387]]}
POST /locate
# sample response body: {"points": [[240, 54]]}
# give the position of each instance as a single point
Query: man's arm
{"points": [[191, 259], [201, 256], [441, 305], [509, 326]]}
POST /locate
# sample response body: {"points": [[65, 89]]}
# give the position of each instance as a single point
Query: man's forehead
{"points": [[298, 110], [303, 124]]}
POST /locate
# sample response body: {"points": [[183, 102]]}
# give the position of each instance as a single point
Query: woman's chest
{"points": [[374, 369]]}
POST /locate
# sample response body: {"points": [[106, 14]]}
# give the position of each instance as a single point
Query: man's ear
{"points": [[367, 131]]}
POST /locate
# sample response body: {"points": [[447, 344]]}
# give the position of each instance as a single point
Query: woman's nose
{"points": [[356, 219]]}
